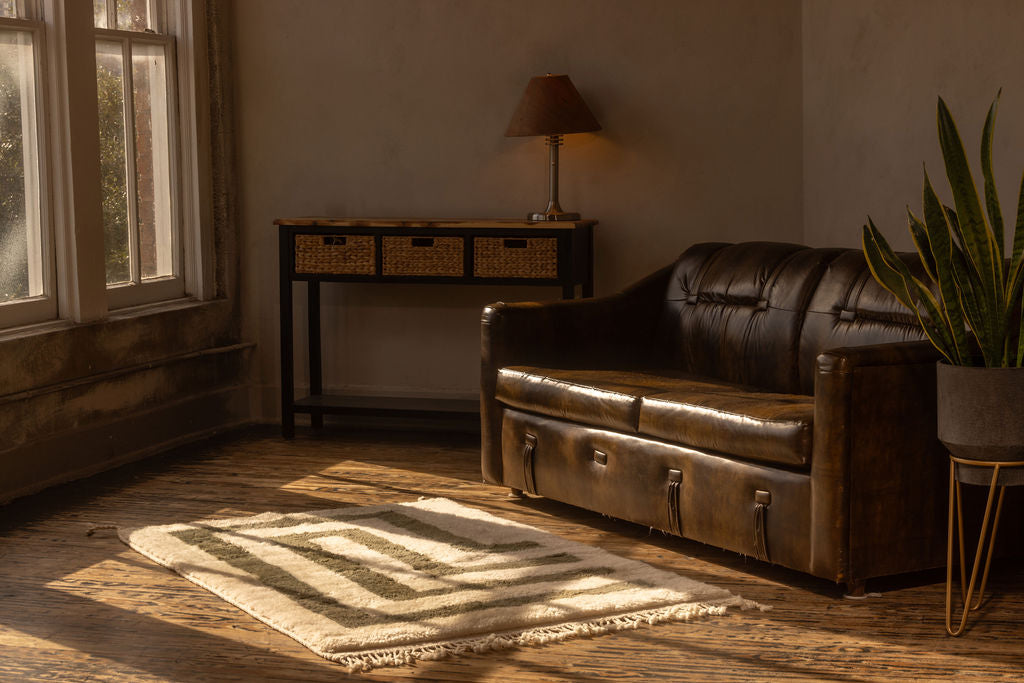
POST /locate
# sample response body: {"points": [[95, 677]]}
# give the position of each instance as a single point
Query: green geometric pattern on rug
{"points": [[389, 584]]}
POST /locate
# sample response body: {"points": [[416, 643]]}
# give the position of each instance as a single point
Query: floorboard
{"points": [[76, 607]]}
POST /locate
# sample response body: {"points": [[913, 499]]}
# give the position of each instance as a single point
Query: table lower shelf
{"points": [[332, 404]]}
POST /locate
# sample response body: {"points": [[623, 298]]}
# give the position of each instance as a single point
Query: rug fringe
{"points": [[365, 661]]}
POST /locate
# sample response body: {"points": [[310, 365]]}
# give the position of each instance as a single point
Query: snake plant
{"points": [[971, 311]]}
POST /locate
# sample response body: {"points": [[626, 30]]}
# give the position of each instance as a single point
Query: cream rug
{"points": [[389, 584]]}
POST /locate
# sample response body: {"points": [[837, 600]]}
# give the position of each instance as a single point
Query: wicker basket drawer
{"points": [[335, 254], [436, 256], [533, 257]]}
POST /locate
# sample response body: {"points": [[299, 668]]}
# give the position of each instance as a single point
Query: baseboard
{"points": [[266, 402], [77, 453]]}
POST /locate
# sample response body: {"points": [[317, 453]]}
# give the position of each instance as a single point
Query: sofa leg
{"points": [[515, 494]]}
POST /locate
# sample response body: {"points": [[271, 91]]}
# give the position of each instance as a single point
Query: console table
{"points": [[414, 251]]}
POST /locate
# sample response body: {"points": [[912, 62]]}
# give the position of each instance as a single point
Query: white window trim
{"points": [[44, 306], [186, 20], [74, 131], [76, 289], [138, 292], [195, 195]]}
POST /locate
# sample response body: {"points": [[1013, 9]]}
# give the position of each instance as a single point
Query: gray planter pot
{"points": [[981, 412]]}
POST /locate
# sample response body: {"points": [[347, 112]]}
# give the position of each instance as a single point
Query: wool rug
{"points": [[390, 584]]}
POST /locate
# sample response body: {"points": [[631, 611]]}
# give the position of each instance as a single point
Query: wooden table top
{"points": [[496, 223]]}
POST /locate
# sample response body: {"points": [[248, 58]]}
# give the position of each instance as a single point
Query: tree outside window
{"points": [[135, 139], [150, 217], [20, 230]]}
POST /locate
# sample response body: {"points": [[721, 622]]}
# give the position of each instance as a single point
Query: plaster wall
{"points": [[398, 108], [872, 71]]}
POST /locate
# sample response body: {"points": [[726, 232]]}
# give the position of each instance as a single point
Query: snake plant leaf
{"points": [[1020, 342], [1015, 290], [976, 313], [983, 325], [954, 225], [942, 249], [977, 238], [995, 215], [932, 321], [984, 255], [939, 227], [873, 242], [919, 234], [968, 299], [1015, 308], [893, 275], [1015, 285], [1017, 255], [975, 303]]}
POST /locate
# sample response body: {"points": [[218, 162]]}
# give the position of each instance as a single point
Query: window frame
{"points": [[138, 290], [43, 306], [64, 40]]}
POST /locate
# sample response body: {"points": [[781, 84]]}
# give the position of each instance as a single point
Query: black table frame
{"points": [[575, 257]]}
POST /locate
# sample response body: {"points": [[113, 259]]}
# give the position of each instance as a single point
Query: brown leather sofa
{"points": [[766, 398]]}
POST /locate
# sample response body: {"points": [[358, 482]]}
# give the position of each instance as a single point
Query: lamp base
{"points": [[560, 216]]}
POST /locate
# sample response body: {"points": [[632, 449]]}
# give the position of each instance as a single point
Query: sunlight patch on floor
{"points": [[331, 482], [13, 638]]}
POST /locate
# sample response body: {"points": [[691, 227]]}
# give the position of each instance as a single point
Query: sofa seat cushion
{"points": [[601, 398], [757, 425], [699, 412]]}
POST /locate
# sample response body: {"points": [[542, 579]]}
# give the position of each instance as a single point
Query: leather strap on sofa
{"points": [[529, 479], [762, 499], [675, 481]]}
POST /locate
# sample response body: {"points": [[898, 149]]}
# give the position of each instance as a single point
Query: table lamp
{"points": [[551, 106]]}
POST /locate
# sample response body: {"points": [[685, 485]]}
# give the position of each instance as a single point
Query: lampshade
{"points": [[551, 105]]}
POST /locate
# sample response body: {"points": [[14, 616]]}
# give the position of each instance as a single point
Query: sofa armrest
{"points": [[580, 332], [877, 472], [846, 359], [611, 331]]}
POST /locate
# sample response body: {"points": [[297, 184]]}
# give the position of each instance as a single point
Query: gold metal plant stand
{"points": [[955, 497]]}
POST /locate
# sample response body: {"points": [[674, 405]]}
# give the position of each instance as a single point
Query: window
{"points": [[26, 276], [76, 243], [135, 88]]}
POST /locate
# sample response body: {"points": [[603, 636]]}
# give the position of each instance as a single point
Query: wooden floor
{"points": [[77, 608]]}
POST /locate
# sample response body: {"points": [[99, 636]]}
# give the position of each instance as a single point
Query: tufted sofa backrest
{"points": [[849, 308], [735, 311]]}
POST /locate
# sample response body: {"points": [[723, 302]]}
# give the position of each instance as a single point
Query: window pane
{"points": [[21, 264], [152, 160], [134, 15], [99, 13], [9, 8], [110, 93]]}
